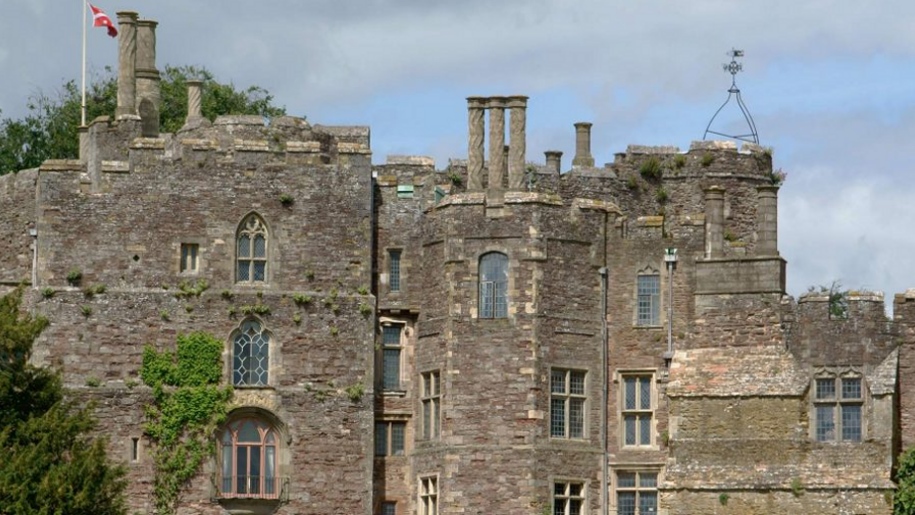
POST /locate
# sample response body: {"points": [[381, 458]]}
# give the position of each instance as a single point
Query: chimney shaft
{"points": [[127, 59], [496, 142], [475, 125], [583, 156], [554, 161], [517, 143]]}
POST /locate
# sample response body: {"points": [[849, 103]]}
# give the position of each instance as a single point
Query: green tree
{"points": [[904, 499], [50, 464], [50, 129]]}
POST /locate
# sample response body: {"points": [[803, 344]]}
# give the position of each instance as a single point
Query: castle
{"points": [[495, 337]]}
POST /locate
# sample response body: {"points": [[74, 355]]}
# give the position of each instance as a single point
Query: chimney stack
{"points": [[194, 101], [148, 92], [496, 142], [517, 143], [583, 156], [127, 59], [554, 161], [475, 108]]}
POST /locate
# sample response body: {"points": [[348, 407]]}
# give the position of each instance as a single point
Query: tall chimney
{"points": [[767, 221], [714, 222], [194, 101], [496, 141], [583, 156], [127, 60], [148, 93], [517, 143], [554, 161], [475, 108]]}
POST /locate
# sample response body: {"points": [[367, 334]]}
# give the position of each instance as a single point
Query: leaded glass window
{"points": [[251, 250], [567, 403], [568, 498], [636, 493], [494, 285], [251, 355], [648, 311], [391, 356], [637, 410], [838, 404]]}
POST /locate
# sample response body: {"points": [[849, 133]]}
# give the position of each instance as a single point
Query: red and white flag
{"points": [[102, 20]]}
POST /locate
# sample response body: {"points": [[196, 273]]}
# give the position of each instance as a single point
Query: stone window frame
{"points": [[568, 494], [648, 270], [402, 350], [428, 494], [270, 358], [620, 378], [837, 402], [255, 224], [493, 313], [395, 280], [430, 399], [188, 251], [568, 398], [389, 445], [267, 485], [638, 469]]}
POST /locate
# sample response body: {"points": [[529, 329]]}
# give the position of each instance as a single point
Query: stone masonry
{"points": [[493, 337]]}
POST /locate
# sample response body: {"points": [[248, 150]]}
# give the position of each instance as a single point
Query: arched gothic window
{"points": [[248, 458], [250, 355], [251, 251], [494, 285]]}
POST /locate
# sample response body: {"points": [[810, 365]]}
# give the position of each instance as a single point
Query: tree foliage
{"points": [[188, 406], [904, 499], [50, 129], [50, 464]]}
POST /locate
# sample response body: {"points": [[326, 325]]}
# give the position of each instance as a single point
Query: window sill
{"points": [[242, 506], [636, 326], [393, 393], [253, 387]]}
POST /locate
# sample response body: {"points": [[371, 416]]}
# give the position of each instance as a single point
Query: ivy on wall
{"points": [[188, 405]]}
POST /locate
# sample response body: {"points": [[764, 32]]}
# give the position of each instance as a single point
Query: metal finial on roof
{"points": [[733, 68]]}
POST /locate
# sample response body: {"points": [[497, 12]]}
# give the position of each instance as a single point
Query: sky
{"points": [[829, 83]]}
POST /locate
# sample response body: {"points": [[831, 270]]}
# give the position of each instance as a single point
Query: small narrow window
{"points": [[189, 257], [388, 508], [649, 300], [389, 438], [494, 285], [404, 191], [392, 351], [428, 495], [637, 410], [569, 498], [251, 355], [135, 449], [394, 269], [567, 403], [431, 404], [251, 251]]}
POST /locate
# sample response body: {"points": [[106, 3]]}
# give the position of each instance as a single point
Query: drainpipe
{"points": [[605, 383], [670, 257]]}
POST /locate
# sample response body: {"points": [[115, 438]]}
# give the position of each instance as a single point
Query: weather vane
{"points": [[733, 68]]}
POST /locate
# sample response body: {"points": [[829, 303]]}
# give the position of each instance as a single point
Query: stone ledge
{"points": [[116, 166], [410, 160], [62, 165], [303, 146], [252, 145]]}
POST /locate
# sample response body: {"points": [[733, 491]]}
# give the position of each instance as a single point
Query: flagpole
{"points": [[83, 102]]}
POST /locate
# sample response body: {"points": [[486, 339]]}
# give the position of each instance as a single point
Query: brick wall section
{"points": [[17, 196]]}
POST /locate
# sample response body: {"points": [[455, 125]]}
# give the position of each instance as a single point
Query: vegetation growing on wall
{"points": [[49, 464], [904, 500], [188, 405]]}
